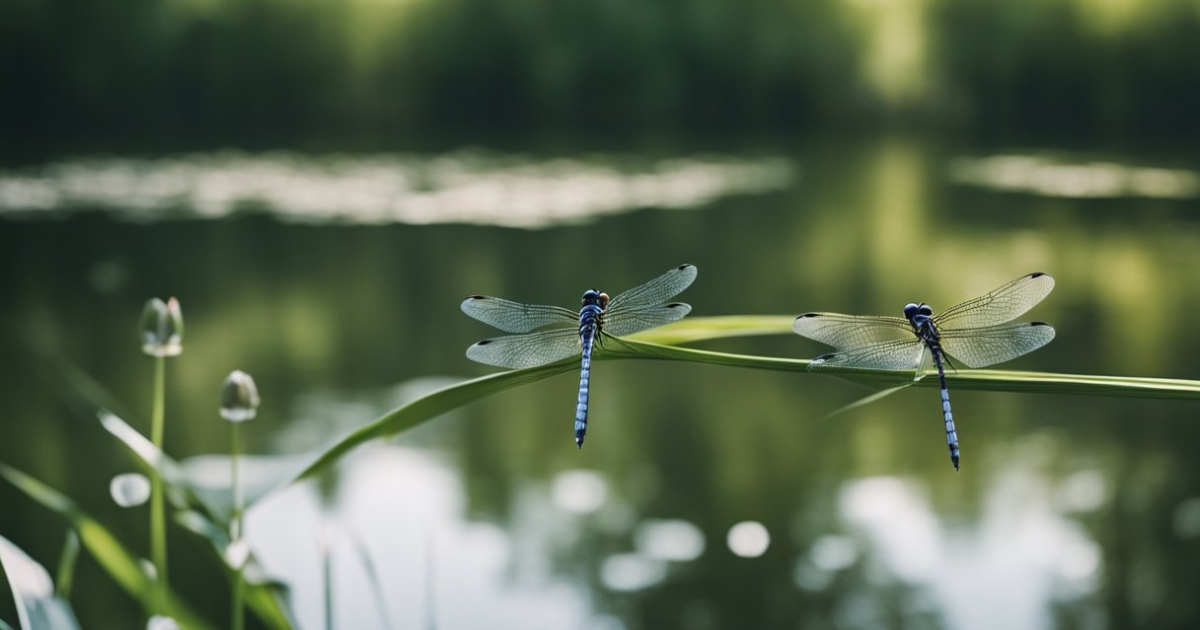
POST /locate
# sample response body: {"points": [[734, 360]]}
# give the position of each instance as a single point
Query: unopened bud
{"points": [[162, 622], [129, 489], [162, 328], [239, 397]]}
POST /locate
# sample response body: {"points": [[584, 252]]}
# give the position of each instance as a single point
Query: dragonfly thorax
{"points": [[592, 297]]}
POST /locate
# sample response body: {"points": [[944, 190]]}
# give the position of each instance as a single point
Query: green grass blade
{"points": [[38, 607], [433, 405], [639, 347], [693, 329], [258, 596], [66, 565], [980, 380], [118, 562]]}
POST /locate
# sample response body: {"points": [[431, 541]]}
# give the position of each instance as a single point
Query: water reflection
{"points": [[463, 187], [1073, 509], [1056, 177]]}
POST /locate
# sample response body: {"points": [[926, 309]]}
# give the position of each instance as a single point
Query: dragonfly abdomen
{"points": [[589, 329], [947, 414], [585, 374]]}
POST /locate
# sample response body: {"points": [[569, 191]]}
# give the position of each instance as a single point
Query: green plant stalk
{"points": [[258, 597], [119, 563], [66, 565], [238, 600], [640, 346], [327, 575], [235, 529], [158, 519]]}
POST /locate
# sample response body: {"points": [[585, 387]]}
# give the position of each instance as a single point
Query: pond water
{"points": [[706, 497]]}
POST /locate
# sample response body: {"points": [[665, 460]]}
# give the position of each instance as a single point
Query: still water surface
{"points": [[706, 497]]}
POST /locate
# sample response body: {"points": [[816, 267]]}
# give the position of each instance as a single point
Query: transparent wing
{"points": [[515, 317], [848, 332], [1004, 304], [655, 292], [980, 347], [530, 350], [888, 355], [629, 321]]}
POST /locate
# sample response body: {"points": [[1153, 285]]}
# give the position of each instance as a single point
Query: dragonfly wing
{"points": [[529, 350], [1002, 305], [981, 347], [848, 332], [655, 292], [628, 321], [515, 317], [889, 355]]}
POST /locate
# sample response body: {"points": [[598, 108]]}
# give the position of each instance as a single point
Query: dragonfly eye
{"points": [[910, 310], [603, 300], [590, 295], [926, 310]]}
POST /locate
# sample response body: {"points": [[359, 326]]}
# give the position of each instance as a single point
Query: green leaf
{"points": [[205, 513], [66, 564], [38, 608], [433, 405], [655, 345], [980, 380], [695, 329], [118, 562]]}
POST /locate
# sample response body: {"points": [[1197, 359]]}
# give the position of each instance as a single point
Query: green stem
{"points": [[327, 571], [235, 527], [238, 601], [66, 565], [158, 521]]}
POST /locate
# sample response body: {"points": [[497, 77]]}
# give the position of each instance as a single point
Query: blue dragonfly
{"points": [[552, 333], [978, 332]]}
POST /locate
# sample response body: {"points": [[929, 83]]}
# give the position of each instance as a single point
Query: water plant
{"points": [[239, 403], [162, 337]]}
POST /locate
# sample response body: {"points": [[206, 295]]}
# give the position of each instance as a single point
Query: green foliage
{"points": [[643, 346], [121, 565], [39, 607]]}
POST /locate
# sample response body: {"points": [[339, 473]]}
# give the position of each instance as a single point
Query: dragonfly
{"points": [[546, 334], [978, 332]]}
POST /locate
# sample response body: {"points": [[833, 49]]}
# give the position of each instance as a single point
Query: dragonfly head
{"points": [[914, 310], [594, 297]]}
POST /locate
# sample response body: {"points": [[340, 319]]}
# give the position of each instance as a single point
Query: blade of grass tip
{"points": [[431, 406], [33, 593], [862, 402], [120, 565], [430, 580], [327, 572], [66, 565], [364, 556]]}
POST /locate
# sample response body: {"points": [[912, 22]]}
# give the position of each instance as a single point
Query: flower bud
{"points": [[162, 328], [162, 622], [239, 397], [129, 489]]}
